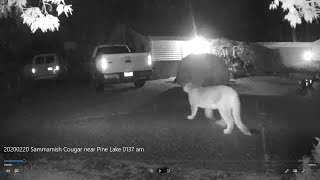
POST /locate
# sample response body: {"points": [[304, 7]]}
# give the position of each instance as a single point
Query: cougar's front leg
{"points": [[194, 110]]}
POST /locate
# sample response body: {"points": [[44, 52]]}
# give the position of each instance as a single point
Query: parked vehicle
{"points": [[307, 85], [48, 66], [116, 64]]}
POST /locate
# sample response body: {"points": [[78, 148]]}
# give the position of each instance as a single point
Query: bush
{"points": [[203, 70], [266, 60], [308, 174]]}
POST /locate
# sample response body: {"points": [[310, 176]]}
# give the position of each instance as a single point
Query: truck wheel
{"points": [[139, 84]]}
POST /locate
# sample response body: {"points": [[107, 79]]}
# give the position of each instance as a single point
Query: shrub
{"points": [[265, 59], [203, 70], [308, 174]]}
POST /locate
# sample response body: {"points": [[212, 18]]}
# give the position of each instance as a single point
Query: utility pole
{"points": [[307, 34]]}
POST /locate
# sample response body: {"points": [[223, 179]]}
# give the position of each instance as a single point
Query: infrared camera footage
{"points": [[159, 89]]}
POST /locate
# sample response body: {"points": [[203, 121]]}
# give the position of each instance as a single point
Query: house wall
{"points": [[164, 50], [167, 53], [292, 56], [292, 53]]}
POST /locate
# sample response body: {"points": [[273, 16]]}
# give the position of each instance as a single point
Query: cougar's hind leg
{"points": [[226, 115], [221, 123]]}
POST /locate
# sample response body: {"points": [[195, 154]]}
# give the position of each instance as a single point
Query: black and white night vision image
{"points": [[159, 89]]}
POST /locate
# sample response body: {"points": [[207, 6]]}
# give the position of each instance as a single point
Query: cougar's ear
{"points": [[186, 87], [175, 81]]}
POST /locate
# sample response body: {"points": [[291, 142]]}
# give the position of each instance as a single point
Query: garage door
{"points": [[166, 50]]}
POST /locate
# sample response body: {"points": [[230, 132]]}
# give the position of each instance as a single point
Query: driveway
{"points": [[153, 120]]}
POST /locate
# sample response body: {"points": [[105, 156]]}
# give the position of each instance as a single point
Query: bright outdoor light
{"points": [[57, 68], [149, 60], [307, 55], [33, 70], [198, 45]]}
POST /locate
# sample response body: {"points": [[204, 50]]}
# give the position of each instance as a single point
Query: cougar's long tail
{"points": [[236, 113]]}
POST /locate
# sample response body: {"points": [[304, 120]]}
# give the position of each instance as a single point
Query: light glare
{"points": [[149, 60], [307, 55], [198, 45], [104, 64]]}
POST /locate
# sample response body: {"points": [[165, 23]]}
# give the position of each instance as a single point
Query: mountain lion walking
{"points": [[220, 97]]}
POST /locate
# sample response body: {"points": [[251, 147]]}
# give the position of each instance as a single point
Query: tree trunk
{"points": [[307, 34], [280, 32], [294, 35]]}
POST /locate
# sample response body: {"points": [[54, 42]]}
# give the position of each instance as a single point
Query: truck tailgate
{"points": [[126, 62]]}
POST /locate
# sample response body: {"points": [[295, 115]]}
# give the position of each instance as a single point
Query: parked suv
{"points": [[48, 66]]}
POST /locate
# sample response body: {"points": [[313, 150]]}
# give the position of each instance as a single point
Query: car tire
{"points": [[139, 84]]}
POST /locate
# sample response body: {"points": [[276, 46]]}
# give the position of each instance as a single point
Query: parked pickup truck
{"points": [[116, 64]]}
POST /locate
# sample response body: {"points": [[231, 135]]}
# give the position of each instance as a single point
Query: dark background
{"points": [[92, 21], [246, 20]]}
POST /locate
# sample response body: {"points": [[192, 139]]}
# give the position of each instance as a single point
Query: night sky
{"points": [[92, 21], [247, 20]]}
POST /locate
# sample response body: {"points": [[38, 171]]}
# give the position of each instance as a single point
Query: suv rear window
{"points": [[49, 59], [113, 50], [39, 60]]}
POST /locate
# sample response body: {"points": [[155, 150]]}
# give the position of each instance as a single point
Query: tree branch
{"points": [[47, 5]]}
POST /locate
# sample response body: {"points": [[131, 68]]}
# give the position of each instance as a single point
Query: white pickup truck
{"points": [[116, 64]]}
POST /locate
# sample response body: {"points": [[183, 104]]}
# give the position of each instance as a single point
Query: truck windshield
{"points": [[113, 50]]}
